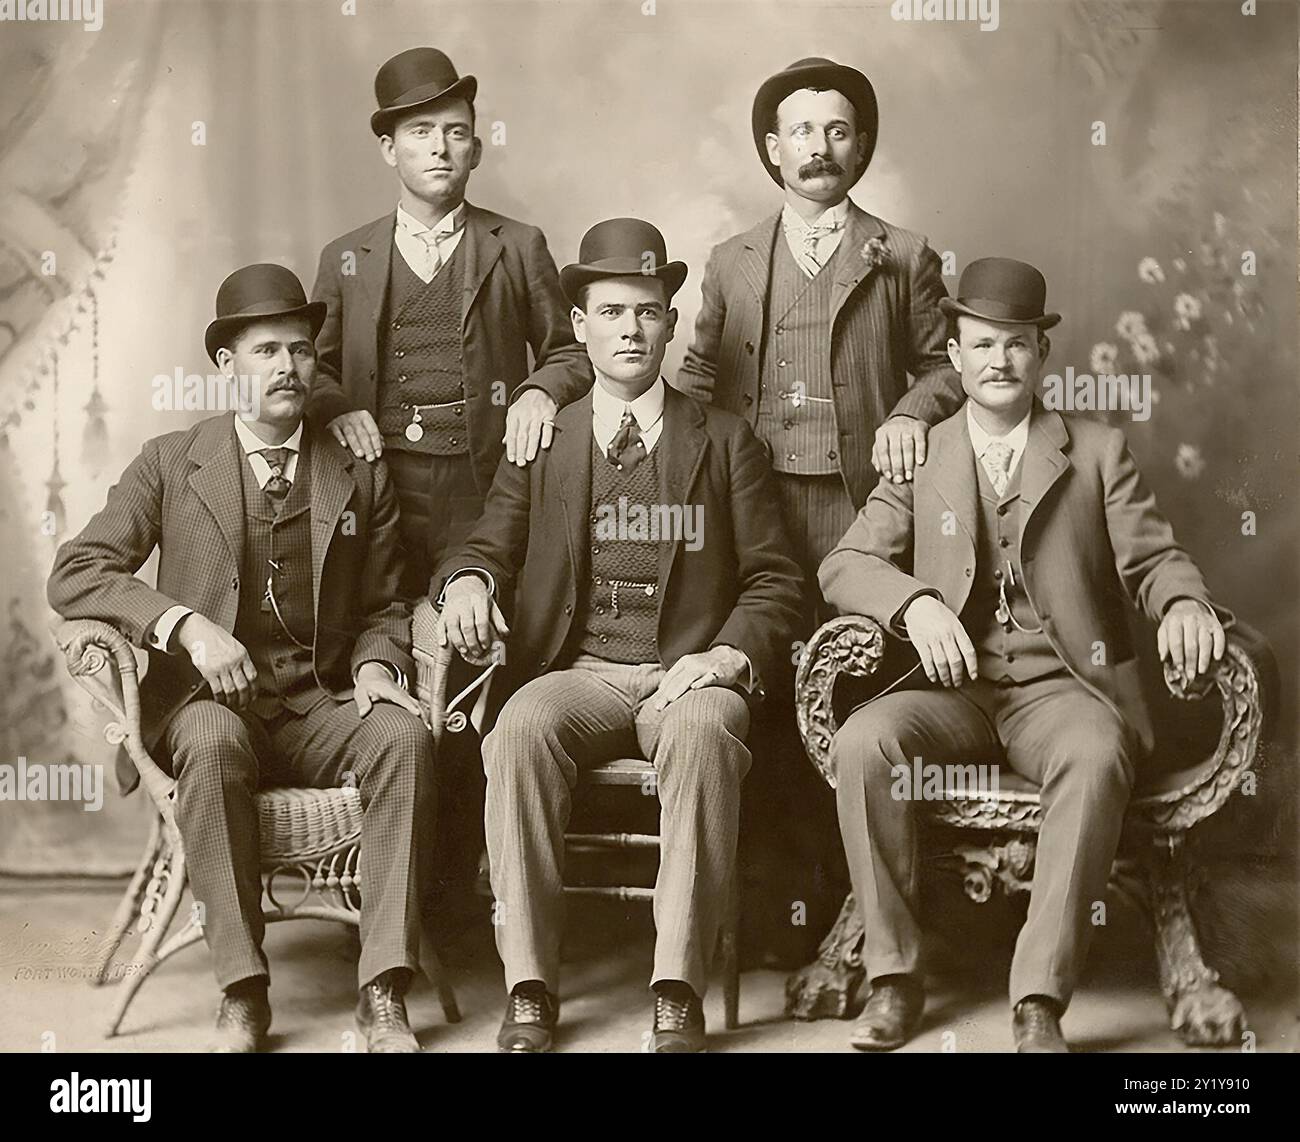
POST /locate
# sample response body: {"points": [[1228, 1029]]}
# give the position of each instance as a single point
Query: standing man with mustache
{"points": [[810, 324]]}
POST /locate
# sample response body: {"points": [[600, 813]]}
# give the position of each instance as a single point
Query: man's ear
{"points": [[476, 155], [954, 354], [226, 362], [774, 149], [862, 152], [387, 150], [579, 320], [670, 325]]}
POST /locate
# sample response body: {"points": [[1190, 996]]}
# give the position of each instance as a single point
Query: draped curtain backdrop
{"points": [[183, 139]]}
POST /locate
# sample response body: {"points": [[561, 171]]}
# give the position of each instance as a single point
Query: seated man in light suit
{"points": [[1007, 563], [278, 649], [623, 642]]}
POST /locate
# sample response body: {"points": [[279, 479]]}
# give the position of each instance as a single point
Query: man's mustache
{"points": [[287, 386], [813, 167]]}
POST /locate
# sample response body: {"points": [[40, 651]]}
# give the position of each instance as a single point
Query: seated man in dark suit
{"points": [[278, 651], [1010, 563], [628, 636]]}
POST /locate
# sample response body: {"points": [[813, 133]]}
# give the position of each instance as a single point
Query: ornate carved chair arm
{"points": [[433, 664], [850, 644], [101, 660]]}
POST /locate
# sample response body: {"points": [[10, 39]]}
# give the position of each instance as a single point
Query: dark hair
{"points": [[583, 289]]}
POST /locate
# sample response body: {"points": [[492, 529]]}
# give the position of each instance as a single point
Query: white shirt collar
{"points": [[447, 224], [250, 442], [1017, 438], [790, 219], [648, 408]]}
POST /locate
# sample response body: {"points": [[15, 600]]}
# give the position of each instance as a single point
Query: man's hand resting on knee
{"points": [[721, 666], [375, 684], [940, 640], [220, 658]]}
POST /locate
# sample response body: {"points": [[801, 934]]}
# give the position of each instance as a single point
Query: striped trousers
{"points": [[594, 712]]}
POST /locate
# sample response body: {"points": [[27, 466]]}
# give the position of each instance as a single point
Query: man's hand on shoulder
{"points": [[530, 424], [220, 658], [899, 447], [357, 430], [1190, 636], [940, 640], [470, 619]]}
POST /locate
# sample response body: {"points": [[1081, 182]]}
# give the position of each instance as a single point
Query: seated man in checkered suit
{"points": [[277, 652], [653, 591]]}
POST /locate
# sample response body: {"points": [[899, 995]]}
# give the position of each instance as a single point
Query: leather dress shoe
{"points": [[381, 1018], [679, 1022], [1036, 1026], [529, 1024], [892, 1014], [242, 1022]]}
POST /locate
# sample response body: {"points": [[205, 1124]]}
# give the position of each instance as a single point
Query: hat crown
{"points": [[415, 67], [1018, 286], [623, 238], [811, 61], [258, 285]]}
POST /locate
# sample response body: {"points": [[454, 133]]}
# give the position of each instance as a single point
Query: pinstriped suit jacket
{"points": [[183, 495], [1093, 544], [885, 323]]}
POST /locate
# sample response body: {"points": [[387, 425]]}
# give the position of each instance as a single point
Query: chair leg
{"points": [[1201, 1010], [731, 958], [127, 907], [436, 974]]}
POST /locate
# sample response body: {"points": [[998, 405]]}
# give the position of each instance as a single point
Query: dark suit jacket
{"points": [[1093, 544], [183, 495], [885, 323], [740, 588], [512, 303]]}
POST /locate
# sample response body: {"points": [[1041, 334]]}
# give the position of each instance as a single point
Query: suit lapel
{"points": [[852, 266], [332, 487], [217, 480], [951, 461], [756, 257], [683, 445], [570, 459], [482, 249], [374, 267], [1044, 463]]}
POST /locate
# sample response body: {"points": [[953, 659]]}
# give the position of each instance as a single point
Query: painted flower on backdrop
{"points": [[1104, 357], [1131, 325], [1150, 272], [1189, 462], [1145, 349], [1186, 310]]}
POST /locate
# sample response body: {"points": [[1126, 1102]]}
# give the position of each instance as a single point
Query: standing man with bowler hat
{"points": [[1019, 614], [636, 639], [279, 650], [810, 325], [432, 312]]}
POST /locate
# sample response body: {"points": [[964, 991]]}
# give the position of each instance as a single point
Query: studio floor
{"points": [[46, 1002]]}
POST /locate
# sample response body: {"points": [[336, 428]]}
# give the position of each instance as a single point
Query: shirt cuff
{"points": [[896, 626], [1202, 602], [165, 626], [481, 572], [396, 672]]}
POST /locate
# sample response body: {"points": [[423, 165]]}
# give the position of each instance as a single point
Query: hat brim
{"points": [[574, 277], [1000, 315], [850, 82], [381, 122], [222, 329]]}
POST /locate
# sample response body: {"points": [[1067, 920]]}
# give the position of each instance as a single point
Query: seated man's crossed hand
{"points": [[940, 641], [470, 619], [220, 658], [1189, 637]]}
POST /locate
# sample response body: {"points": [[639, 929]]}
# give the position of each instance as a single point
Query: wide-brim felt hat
{"points": [[1002, 290], [621, 247], [822, 74], [255, 293], [412, 79]]}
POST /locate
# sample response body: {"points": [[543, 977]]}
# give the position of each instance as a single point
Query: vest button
{"points": [[780, 329], [1003, 541], [1011, 658], [780, 364], [603, 638], [595, 550], [787, 424], [402, 379], [600, 610], [791, 456], [400, 353], [397, 325], [453, 442], [459, 411], [998, 573]]}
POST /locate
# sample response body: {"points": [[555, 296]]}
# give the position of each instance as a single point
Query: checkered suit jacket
{"points": [[885, 323], [183, 495]]}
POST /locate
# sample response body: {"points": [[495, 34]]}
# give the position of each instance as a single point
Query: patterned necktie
{"points": [[433, 261], [997, 463], [811, 236], [627, 449], [277, 487]]}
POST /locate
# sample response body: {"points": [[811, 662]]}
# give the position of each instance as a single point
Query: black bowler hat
{"points": [[255, 293], [621, 247], [1002, 289], [413, 78], [824, 75]]}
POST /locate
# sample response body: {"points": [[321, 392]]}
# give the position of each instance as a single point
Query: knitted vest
{"points": [[797, 359], [284, 670], [420, 359], [622, 612], [1003, 654]]}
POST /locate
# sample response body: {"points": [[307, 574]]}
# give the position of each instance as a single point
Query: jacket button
{"points": [[832, 455], [749, 346], [1011, 658], [967, 572], [749, 399], [1004, 542], [780, 329], [780, 364], [568, 608], [234, 584], [542, 664], [1002, 509]]}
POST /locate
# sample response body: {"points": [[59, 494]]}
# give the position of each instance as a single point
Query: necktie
{"points": [[433, 262], [277, 487], [627, 449], [811, 236], [997, 463]]}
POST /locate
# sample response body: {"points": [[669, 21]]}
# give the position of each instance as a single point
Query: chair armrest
{"points": [[1247, 681], [101, 660], [850, 644], [433, 665]]}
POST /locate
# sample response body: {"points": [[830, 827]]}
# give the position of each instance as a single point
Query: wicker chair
{"points": [[1171, 797], [433, 663], [313, 835]]}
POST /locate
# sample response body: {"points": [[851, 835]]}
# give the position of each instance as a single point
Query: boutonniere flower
{"points": [[873, 253]]}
